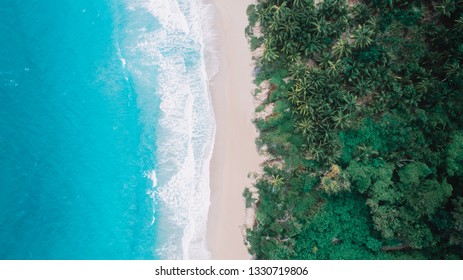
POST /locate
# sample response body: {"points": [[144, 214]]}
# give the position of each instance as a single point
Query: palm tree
{"points": [[315, 80], [453, 70], [333, 155], [362, 86], [345, 21], [424, 86], [307, 14], [361, 12], [280, 12], [350, 102], [325, 59], [341, 48], [304, 109], [316, 151], [297, 94], [319, 27], [341, 119], [294, 96], [311, 44], [290, 48], [446, 8], [334, 67], [366, 152], [333, 8], [270, 54], [412, 99], [459, 24], [304, 126], [297, 71], [299, 3], [362, 36], [310, 138], [264, 15], [276, 181], [291, 28]]}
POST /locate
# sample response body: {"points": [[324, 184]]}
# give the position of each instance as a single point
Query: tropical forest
{"points": [[361, 123]]}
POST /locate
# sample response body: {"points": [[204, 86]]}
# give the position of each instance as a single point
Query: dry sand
{"points": [[235, 154]]}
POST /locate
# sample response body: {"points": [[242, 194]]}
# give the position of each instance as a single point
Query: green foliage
{"points": [[256, 42], [455, 155], [340, 231], [252, 15], [412, 174], [457, 221], [365, 138], [335, 181], [249, 200]]}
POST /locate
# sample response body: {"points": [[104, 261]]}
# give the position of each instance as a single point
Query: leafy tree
{"points": [[455, 155]]}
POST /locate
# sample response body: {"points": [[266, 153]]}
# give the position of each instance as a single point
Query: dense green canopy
{"points": [[365, 139]]}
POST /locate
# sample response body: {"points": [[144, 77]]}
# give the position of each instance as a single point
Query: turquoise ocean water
{"points": [[106, 129]]}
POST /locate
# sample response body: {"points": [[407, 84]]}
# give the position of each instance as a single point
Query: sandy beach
{"points": [[235, 154]]}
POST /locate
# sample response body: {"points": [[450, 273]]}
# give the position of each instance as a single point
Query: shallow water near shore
{"points": [[107, 129]]}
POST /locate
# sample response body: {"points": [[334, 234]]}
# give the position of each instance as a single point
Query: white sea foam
{"points": [[152, 176], [168, 13], [183, 52], [209, 37]]}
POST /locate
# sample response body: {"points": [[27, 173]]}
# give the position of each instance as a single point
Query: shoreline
{"points": [[235, 153]]}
